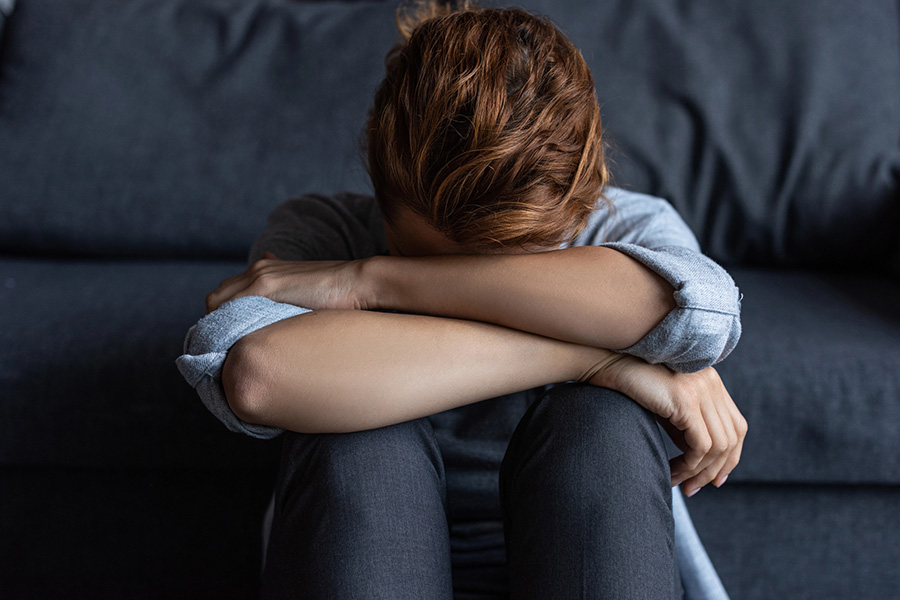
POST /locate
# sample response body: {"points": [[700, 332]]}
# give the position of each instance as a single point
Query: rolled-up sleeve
{"points": [[207, 343], [705, 325]]}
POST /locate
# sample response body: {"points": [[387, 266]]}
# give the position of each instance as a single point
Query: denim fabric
{"points": [[576, 504]]}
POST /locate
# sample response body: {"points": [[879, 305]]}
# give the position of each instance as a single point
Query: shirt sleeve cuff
{"points": [[207, 343], [705, 326]]}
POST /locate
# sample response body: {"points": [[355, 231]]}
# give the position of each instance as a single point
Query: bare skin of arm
{"points": [[349, 369], [392, 368], [398, 367], [590, 295]]}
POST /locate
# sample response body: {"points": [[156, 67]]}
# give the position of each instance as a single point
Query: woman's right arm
{"points": [[330, 371]]}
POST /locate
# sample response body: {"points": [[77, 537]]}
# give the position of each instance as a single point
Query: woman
{"points": [[439, 359]]}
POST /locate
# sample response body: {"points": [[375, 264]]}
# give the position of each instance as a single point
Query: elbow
{"points": [[710, 345], [688, 341], [711, 329], [241, 383], [252, 394]]}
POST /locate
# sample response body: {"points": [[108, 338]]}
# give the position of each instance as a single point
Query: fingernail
{"points": [[692, 492], [722, 481]]}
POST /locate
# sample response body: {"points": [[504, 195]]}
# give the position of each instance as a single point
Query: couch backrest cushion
{"points": [[772, 126], [172, 127]]}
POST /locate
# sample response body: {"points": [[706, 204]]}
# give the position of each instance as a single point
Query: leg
{"points": [[473, 440], [587, 501], [360, 515]]}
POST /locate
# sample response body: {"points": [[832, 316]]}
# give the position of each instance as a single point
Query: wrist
{"points": [[374, 275], [601, 366]]}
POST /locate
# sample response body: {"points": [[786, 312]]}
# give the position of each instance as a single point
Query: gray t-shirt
{"points": [[700, 331]]}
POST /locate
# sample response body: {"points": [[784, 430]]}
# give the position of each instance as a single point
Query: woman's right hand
{"points": [[313, 284], [696, 411]]}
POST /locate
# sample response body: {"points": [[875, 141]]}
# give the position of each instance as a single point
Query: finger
{"points": [[676, 464], [685, 465], [734, 456], [217, 299], [698, 442], [692, 436], [736, 428], [730, 463], [228, 280], [229, 289], [718, 444], [677, 467], [268, 254], [722, 403], [695, 483]]}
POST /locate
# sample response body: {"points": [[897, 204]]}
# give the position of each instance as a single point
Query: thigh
{"points": [[586, 499], [360, 515]]}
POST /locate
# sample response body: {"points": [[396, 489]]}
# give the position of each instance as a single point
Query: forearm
{"points": [[590, 295], [351, 370]]}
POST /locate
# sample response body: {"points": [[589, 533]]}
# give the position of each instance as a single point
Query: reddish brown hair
{"points": [[487, 126]]}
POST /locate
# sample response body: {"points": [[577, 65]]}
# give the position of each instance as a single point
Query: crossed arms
{"points": [[485, 326]]}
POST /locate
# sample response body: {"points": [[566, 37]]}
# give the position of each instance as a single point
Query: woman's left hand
{"points": [[695, 409], [313, 284]]}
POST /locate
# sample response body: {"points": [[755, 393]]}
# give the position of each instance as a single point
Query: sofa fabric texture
{"points": [[144, 143], [6, 8], [772, 140]]}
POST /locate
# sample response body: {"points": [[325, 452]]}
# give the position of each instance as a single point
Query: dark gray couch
{"points": [[143, 143]]}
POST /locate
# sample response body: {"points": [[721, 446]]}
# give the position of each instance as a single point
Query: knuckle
{"points": [[691, 462], [733, 439], [264, 282], [730, 464], [698, 481], [684, 387]]}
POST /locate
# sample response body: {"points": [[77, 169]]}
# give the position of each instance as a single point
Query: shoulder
{"points": [[340, 226], [636, 218], [342, 207]]}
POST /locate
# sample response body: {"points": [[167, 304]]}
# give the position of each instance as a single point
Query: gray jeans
{"points": [[556, 492]]}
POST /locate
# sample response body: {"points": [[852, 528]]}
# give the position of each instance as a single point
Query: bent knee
{"points": [[578, 403], [392, 453], [577, 433], [579, 418]]}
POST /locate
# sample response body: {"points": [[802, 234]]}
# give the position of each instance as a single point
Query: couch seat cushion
{"points": [[817, 375], [88, 348], [87, 367]]}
